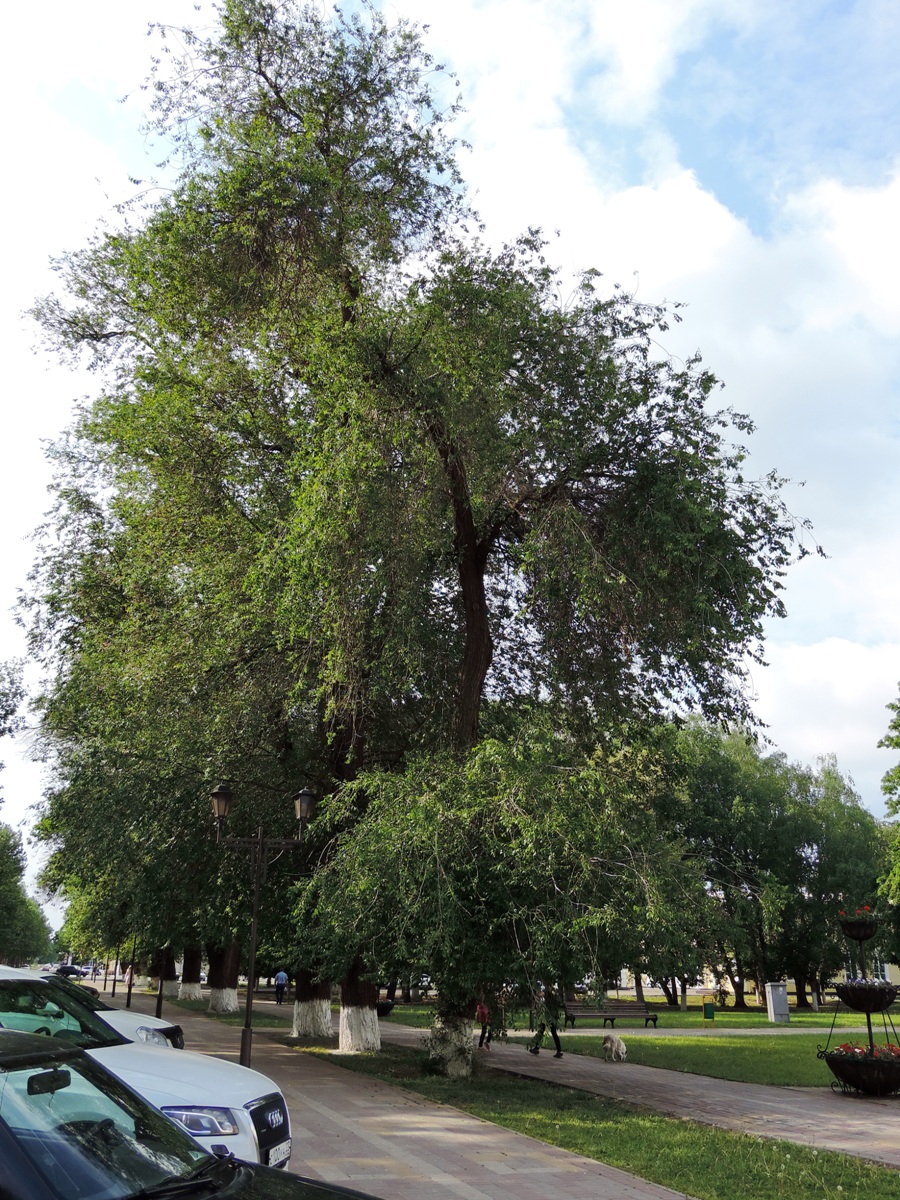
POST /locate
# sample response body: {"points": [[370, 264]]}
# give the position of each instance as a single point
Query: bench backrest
{"points": [[626, 1006]]}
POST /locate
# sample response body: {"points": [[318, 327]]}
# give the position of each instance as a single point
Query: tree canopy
{"points": [[357, 490]]}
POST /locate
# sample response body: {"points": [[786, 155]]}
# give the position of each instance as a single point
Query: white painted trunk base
{"points": [[190, 991], [450, 1047], [359, 1032], [171, 988], [312, 1019], [223, 1000]]}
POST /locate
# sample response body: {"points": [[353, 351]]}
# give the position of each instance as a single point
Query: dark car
{"points": [[69, 970], [70, 1130]]}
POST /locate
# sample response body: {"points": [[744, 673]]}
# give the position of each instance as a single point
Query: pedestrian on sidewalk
{"points": [[483, 1017], [547, 1011], [281, 982]]}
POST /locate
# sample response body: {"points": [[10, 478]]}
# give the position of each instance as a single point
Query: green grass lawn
{"points": [[261, 1020], [781, 1061], [704, 1162], [421, 1015]]}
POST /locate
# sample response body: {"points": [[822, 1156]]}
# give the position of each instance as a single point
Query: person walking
{"points": [[483, 1017], [281, 982], [547, 1010]]}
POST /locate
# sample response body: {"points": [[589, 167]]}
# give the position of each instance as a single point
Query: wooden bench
{"points": [[610, 1012]]}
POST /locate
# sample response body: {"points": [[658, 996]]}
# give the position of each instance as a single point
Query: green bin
{"points": [[709, 1010]]}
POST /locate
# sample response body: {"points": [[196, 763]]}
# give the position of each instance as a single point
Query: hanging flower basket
{"points": [[875, 1075], [859, 929], [866, 995], [859, 926]]}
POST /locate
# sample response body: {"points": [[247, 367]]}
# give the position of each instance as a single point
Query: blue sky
{"points": [[742, 156]]}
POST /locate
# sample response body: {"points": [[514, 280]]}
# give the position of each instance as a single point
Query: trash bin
{"points": [[709, 1010]]}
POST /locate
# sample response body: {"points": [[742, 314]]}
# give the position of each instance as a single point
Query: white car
{"points": [[137, 1027], [224, 1106]]}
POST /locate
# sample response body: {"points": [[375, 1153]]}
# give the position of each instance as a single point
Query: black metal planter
{"points": [[867, 997], [859, 929], [864, 1073], [867, 1070]]}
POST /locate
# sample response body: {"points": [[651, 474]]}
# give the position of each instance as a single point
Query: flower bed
{"points": [[866, 995]]}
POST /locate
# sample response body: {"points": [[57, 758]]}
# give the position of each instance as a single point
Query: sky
{"points": [[739, 156]]}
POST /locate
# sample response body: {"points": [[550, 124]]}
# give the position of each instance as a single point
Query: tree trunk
{"points": [[170, 983], [683, 989], [191, 965], [312, 1008], [638, 985], [358, 1032], [391, 990], [450, 1046], [735, 973], [668, 988], [478, 651], [163, 964], [800, 982], [224, 962]]}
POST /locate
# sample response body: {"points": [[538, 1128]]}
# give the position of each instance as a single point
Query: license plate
{"points": [[280, 1153]]}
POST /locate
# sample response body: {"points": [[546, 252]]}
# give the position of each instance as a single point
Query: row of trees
{"points": [[24, 933], [365, 503]]}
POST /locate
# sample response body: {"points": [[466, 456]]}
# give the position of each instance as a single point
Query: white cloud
{"points": [[830, 697], [859, 225], [639, 45]]}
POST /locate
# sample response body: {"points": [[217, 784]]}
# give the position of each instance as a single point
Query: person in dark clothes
{"points": [[548, 1009], [483, 1017]]}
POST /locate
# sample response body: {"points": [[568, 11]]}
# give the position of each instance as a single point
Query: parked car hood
{"points": [[183, 1078], [265, 1183]]}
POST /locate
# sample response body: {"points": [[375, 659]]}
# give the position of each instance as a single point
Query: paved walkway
{"points": [[373, 1136], [356, 1131]]}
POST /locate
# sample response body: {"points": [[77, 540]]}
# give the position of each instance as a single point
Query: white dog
{"points": [[613, 1048]]}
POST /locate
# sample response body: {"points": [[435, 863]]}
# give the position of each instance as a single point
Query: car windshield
{"points": [[82, 995], [34, 1006], [87, 1135]]}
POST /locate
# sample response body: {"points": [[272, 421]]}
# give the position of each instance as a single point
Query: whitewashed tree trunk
{"points": [[450, 1047], [312, 1019], [190, 991], [170, 989], [223, 1000], [359, 1032]]}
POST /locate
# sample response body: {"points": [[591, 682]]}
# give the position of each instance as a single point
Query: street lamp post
{"points": [[260, 848]]}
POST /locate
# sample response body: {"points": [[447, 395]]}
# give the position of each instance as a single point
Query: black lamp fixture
{"points": [[304, 802], [221, 797]]}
